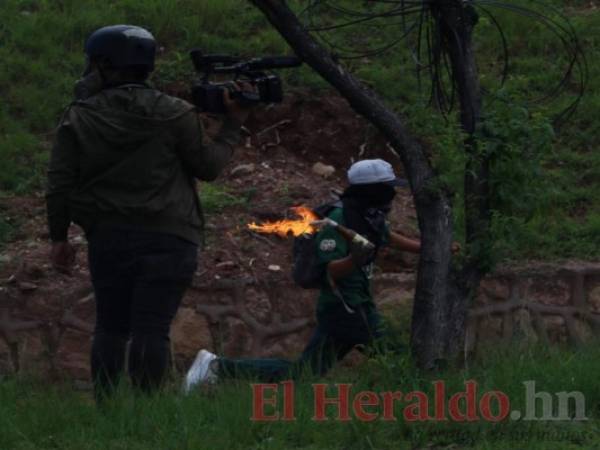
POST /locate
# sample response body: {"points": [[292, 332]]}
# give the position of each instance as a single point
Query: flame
{"points": [[285, 227]]}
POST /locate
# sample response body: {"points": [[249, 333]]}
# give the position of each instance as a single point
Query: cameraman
{"points": [[123, 167]]}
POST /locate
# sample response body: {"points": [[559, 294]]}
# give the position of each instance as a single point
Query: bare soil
{"points": [[283, 142]]}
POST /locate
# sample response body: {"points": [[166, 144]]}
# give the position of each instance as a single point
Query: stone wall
{"points": [[547, 304], [52, 334], [50, 331]]}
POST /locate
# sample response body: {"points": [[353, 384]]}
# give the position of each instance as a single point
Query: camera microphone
{"points": [[274, 62]]}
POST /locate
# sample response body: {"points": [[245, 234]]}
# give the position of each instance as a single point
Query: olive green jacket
{"points": [[128, 157]]}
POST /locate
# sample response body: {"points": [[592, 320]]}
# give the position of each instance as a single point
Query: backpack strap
{"points": [[323, 210]]}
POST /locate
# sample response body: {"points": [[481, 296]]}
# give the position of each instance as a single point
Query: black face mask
{"points": [[376, 217], [365, 210]]}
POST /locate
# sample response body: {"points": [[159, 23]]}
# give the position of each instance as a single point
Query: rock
{"points": [[239, 338], [323, 170], [292, 344], [556, 329], [190, 332], [226, 265], [594, 299], [300, 193], [394, 288], [32, 353], [494, 289], [73, 354], [523, 327], [274, 268], [489, 329], [548, 290], [583, 330], [33, 272], [267, 214], [243, 169], [25, 286], [258, 304]]}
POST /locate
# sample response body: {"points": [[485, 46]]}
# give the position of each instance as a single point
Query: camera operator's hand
{"points": [[235, 110]]}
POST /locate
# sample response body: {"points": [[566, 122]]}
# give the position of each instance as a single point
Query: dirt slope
{"points": [[46, 318], [270, 172]]}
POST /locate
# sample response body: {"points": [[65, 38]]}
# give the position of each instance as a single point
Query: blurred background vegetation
{"points": [[546, 179]]}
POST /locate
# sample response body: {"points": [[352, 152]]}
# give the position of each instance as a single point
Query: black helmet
{"points": [[122, 46]]}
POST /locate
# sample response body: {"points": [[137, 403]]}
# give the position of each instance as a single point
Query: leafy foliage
{"points": [[533, 70], [516, 143], [417, 28]]}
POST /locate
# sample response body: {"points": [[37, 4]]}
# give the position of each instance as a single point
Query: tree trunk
{"points": [[456, 23], [430, 324]]}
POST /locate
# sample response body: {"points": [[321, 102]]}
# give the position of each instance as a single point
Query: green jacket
{"points": [[356, 287], [129, 156]]}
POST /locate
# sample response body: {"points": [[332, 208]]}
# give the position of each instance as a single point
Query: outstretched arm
{"points": [[401, 242], [404, 243]]}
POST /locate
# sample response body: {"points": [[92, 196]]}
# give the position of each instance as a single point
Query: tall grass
{"points": [[35, 415]]}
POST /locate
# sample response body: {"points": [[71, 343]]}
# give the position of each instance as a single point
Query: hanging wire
{"points": [[419, 23]]}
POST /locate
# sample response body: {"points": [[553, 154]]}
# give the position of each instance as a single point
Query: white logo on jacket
{"points": [[327, 245]]}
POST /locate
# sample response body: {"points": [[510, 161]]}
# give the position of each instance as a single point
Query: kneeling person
{"points": [[346, 313]]}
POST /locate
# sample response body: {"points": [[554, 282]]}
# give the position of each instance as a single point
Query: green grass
{"points": [[35, 415], [214, 198], [559, 212], [6, 231]]}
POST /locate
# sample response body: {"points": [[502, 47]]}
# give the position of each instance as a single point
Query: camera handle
{"points": [[245, 98]]}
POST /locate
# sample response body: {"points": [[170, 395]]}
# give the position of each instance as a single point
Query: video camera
{"points": [[208, 96]]}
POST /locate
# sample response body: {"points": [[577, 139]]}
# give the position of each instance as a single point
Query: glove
{"points": [[361, 250]]}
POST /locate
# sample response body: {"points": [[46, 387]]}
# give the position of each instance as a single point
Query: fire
{"points": [[285, 227]]}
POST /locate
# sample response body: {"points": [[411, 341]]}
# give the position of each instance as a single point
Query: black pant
{"points": [[139, 279]]}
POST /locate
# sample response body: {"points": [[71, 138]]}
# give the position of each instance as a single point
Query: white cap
{"points": [[369, 171]]}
